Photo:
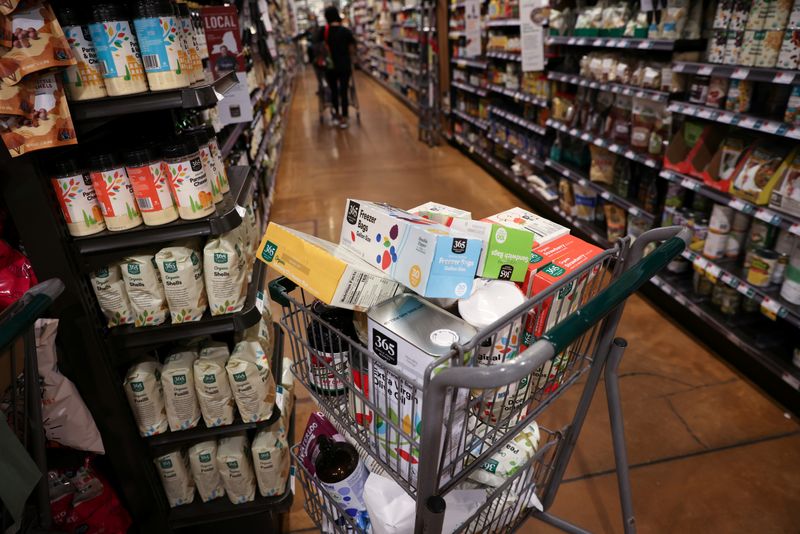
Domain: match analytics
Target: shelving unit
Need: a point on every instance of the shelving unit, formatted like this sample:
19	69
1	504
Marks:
619	149
627	90
741	120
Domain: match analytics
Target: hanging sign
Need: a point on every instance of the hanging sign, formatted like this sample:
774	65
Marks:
532	14
472	27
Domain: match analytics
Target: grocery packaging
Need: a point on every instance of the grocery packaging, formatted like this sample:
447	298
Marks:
440	213
424	256
203	463
146	397
178	484
330	272
543	229
180	397
271	460
182	275
144	288
236	468
225	272
504	463
758	172
77	199
505	250
109	288
786	194
342	473
251	381
211	383
316	426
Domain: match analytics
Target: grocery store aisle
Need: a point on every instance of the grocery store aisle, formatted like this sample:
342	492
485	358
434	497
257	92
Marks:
708	451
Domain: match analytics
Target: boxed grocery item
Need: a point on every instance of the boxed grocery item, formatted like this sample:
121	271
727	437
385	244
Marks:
408	334
506	251
786	194
720	169
440	213
758	172
544	230
685	145
329	272
422	255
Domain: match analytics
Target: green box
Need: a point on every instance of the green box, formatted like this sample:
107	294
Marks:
506	251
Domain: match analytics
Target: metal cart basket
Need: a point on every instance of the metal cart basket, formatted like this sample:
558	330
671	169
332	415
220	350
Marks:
479	397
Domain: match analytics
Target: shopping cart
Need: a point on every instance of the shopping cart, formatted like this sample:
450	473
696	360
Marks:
456	437
324	98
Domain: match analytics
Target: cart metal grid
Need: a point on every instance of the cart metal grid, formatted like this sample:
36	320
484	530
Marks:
481	395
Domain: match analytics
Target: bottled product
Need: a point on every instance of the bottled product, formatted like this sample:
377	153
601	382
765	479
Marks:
200	135
148	176
190	40
342	473
190	185
117	50
216	157
762	263
157	30
77	199
85	79
790	290
329	347
114	193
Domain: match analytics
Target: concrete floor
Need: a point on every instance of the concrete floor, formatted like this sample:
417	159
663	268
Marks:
709	452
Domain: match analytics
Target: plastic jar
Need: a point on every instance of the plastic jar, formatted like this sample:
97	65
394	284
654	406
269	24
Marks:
149	177
83	80
114	193
790	289
190	41
117	50
191	188
219	163
77	199
200	136
157	30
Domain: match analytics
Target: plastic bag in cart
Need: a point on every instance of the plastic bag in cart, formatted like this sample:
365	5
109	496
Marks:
16	275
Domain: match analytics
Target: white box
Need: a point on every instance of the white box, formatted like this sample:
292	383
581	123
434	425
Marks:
545	230
440	213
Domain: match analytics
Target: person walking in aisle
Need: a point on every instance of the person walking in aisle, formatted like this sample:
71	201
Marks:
338	42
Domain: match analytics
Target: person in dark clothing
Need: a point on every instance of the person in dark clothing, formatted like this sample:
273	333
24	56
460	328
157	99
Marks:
340	42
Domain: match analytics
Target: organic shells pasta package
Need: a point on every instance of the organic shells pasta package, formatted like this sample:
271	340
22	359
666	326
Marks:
180	397
178	484
262	333
36	43
143	389
182	275
203	462
225	273
211	383
109	288
251	381
236	469
271	460
143	284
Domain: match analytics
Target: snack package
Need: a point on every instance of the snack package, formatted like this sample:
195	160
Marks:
213	388
236	469
15	99
178	483
717	89
144	288
203	462
615	221
270	450
602	169
585	202
182	274
143	389
224	268
739	95
180	397
786	195
504	463
757	173
251	381
789	55
109	288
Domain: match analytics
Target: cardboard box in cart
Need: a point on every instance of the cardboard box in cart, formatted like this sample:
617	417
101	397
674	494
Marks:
424	256
506	250
440	213
543	229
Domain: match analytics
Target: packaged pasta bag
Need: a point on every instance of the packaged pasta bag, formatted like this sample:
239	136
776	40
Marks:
203	462
180	397
182	275
251	381
34	41
8	6
211	382
271	460
109	288
47	125
145	291
224	268
236	469
261	332
178	484
143	389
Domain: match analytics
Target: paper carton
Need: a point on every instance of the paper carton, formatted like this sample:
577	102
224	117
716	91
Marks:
440	213
422	255
329	272
506	250
786	195
544	230
758	172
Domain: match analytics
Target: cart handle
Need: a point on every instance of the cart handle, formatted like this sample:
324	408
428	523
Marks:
18	317
279	290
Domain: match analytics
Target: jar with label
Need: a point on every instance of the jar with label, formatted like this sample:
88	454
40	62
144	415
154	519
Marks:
149	178
328	348
84	80
114	193
761	235
216	154
702	285
157	30
734	244
762	263
190	41
342	473
77	199
191	188
117	50
200	136
721	219
780	268
790	289
729	301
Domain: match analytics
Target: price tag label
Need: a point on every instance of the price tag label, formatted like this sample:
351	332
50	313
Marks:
783	77
606	195
726	278
650	163
471	149
644	45
703	113
713	272
688	183
738	204
767	216
749	122
700	263
744	289
795	229
598	42
677	67
634	211
461	64
614	148
687	254
573	132
771	308
680	299
291	478
630	154
586	136
705	70
794	133
571	41
260	301
740	74
594	85
612	43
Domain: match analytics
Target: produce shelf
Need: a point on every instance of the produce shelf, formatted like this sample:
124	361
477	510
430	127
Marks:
96	250
737	72
616	148
627	90
480	91
516	119
129	337
195	96
628	43
519	96
482	124
740	120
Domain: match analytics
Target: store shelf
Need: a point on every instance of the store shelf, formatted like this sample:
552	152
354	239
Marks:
409	40
775	218
740	120
627	90
196	96
456	6
129	337
482	124
400	96
616	148
228	216
507	56
480	91
475	63
516	119
519	96
627	43
737	72
579	178
500	23
456	34
531	160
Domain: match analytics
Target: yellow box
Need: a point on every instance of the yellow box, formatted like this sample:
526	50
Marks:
330	272
754	178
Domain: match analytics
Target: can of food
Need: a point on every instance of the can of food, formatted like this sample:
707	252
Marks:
780	268
790	289
715	245
741	222
721	220
699	233
761	235
762	264
733	247
729	301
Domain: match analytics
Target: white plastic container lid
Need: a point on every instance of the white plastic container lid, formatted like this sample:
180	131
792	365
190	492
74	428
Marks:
490	300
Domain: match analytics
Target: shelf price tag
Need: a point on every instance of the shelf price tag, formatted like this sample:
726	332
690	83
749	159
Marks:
771	308
649	162
703	113
688	183
700	264
795	229
738	204
630	154
767	216
740	74
605	195
783	77
292	471
705	70
260	301
713	272
748	122
744	289
677	67
614	147
634	211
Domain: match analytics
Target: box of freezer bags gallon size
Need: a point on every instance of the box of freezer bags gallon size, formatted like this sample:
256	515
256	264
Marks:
422	255
329	272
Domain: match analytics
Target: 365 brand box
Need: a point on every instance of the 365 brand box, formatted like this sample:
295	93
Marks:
424	256
543	229
330	272
440	213
506	250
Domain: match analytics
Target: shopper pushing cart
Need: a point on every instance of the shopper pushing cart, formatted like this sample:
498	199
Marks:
335	47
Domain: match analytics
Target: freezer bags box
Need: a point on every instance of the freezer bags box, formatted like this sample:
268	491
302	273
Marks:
440	213
506	250
329	272
420	254
543	229
407	333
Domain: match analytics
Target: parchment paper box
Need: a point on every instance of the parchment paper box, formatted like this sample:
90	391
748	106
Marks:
440	213
329	272
543	229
